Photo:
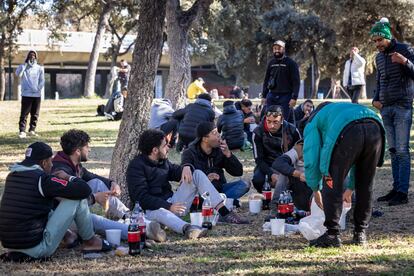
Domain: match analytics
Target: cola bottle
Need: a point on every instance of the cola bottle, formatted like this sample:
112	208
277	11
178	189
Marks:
267	194
134	237
282	206
207	212
195	204
290	205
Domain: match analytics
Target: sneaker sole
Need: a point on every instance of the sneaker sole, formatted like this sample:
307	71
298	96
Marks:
155	232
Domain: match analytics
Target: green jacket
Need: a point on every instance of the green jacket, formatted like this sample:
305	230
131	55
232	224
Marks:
320	136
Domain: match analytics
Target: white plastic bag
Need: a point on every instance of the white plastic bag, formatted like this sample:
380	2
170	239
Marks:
311	227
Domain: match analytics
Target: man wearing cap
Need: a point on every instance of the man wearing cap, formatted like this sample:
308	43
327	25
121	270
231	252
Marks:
29	227
211	155
273	137
196	88
394	99
32	80
354	74
282	80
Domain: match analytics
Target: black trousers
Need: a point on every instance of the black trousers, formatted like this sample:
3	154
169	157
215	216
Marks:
29	105
354	92
359	144
170	127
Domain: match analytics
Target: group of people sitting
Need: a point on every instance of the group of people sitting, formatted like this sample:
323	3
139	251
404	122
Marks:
46	195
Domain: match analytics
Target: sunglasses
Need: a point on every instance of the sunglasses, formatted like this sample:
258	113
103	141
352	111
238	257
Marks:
274	113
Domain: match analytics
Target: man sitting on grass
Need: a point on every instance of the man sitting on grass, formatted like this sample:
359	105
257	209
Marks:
29	227
148	178
75	145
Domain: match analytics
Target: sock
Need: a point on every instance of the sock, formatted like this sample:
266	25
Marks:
223	211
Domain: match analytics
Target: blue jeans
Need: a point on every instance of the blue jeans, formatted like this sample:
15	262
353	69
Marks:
397	123
68	211
236	189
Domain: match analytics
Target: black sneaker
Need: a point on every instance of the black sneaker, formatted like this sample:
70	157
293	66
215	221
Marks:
398	199
326	241
360	238
388	196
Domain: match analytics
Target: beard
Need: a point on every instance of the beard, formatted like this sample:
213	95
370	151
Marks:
83	158
32	62
278	55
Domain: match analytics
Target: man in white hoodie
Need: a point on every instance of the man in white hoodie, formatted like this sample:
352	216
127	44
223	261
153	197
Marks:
354	74
32	80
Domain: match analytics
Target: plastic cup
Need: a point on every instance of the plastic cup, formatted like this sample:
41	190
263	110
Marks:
196	219
278	227
229	203
255	206
113	236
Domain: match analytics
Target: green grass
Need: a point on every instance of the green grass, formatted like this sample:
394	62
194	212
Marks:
228	249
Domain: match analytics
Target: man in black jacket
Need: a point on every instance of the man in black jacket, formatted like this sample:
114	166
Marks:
190	116
230	125
291	164
273	137
148	178
300	112
282	80
211	155
394	99
75	145
249	119
29	226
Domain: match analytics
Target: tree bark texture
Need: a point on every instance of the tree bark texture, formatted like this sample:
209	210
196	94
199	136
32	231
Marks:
94	57
145	62
178	25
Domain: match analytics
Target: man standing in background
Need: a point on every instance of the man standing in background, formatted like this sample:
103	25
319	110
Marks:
32	80
354	74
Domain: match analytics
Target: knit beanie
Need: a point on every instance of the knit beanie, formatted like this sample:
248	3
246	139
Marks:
382	28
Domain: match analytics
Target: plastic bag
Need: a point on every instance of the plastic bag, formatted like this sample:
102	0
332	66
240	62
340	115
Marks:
311	227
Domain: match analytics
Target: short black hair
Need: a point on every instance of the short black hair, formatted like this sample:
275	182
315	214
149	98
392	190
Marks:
74	139
308	101
246	102
204	96
226	103
149	139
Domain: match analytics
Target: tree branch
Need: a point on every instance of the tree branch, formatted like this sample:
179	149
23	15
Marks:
127	50
187	18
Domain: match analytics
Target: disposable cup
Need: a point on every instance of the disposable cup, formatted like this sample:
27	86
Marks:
255	206
196	219
113	236
229	203
278	227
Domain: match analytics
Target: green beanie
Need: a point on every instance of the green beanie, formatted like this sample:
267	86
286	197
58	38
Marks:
382	28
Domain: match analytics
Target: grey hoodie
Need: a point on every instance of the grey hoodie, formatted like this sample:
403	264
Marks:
161	112
32	77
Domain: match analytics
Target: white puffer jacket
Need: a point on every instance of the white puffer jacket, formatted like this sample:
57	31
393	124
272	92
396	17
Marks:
357	70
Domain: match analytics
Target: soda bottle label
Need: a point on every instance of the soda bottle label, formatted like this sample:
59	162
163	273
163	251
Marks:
206	212
142	229
134	236
267	195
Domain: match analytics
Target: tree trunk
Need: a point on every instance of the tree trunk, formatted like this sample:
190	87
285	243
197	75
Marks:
2	71
94	57
317	75
112	74
141	88
178	25
180	65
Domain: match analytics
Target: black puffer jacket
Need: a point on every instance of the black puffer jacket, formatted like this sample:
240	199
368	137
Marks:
230	124
395	82
192	115
149	182
267	147
215	162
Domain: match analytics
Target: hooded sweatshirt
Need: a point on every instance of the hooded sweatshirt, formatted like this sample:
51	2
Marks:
161	112
32	77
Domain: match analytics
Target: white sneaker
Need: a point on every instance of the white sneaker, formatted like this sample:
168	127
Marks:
22	134
32	133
